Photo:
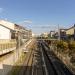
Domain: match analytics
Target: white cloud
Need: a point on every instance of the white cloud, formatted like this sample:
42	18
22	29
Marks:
25	22
1	10
28	21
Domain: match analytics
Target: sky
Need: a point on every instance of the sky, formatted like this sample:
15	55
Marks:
39	15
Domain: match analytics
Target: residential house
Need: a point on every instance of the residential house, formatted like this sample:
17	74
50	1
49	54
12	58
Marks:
56	35
70	33
52	34
62	34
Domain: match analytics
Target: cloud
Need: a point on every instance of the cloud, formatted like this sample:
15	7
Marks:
28	21
25	22
1	10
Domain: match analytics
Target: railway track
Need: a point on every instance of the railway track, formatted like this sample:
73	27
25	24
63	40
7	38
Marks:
50	70
28	70
53	64
38	68
42	61
27	66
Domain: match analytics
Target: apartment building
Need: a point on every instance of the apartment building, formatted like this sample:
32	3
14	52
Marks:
10	30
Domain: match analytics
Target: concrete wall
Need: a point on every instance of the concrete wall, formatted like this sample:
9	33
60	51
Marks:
4	33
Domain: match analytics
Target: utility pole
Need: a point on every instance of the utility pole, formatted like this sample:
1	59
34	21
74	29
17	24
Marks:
19	45
58	32
74	31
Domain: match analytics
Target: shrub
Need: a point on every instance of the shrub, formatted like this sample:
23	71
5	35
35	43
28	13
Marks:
62	45
72	60
71	48
71	45
59	44
65	45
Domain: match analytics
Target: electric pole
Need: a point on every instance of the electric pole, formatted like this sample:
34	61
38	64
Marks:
58	32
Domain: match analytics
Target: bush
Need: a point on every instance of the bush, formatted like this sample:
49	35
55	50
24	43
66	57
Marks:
71	48
72	60
65	45
59	44
62	45
71	45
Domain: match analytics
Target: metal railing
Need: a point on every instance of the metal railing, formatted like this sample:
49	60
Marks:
6	44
